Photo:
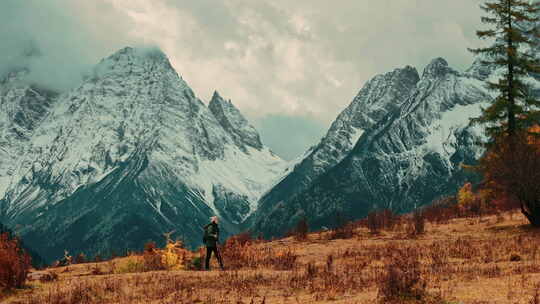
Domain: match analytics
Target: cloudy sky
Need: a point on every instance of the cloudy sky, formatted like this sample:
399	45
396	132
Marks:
290	66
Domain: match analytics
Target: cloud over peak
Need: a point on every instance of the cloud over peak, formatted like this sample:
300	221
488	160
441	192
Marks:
277	59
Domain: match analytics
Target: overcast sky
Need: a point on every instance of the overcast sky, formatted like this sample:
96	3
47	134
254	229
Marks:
290	65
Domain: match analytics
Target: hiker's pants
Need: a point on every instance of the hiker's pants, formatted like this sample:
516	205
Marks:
209	251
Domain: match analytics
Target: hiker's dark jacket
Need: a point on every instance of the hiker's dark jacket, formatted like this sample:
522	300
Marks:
212	236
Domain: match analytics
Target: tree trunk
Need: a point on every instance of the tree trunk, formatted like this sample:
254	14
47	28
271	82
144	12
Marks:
511	98
534	218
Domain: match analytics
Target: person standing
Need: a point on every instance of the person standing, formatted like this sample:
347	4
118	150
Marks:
210	239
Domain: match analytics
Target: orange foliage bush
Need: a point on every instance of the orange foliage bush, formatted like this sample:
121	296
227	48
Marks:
512	169
14	263
152	257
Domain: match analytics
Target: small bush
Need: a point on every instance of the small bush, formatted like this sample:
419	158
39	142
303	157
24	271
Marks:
441	210
282	260
243	238
402	278
196	263
417	225
382	219
300	232
373	223
344	232
342	228
174	256
80	258
14	263
152	258
130	264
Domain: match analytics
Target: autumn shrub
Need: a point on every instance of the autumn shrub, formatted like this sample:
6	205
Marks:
512	167
388	219
14	263
473	204
196	263
243	238
237	254
402	278
281	259
441	210
80	258
300	231
174	256
152	258
419	222
381	219
373	223
416	225
130	264
342	228
343	232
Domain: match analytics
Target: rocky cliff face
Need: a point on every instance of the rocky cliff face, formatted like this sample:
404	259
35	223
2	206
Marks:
230	118
406	158
130	154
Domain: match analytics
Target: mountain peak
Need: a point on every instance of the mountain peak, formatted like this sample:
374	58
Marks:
152	52
234	122
437	66
216	96
132	60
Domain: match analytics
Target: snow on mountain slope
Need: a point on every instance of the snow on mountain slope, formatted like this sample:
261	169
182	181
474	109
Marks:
22	109
133	152
249	173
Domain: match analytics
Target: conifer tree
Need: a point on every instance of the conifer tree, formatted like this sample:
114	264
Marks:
514	26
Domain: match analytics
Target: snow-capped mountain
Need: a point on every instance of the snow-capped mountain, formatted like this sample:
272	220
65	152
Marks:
381	95
130	154
402	157
409	156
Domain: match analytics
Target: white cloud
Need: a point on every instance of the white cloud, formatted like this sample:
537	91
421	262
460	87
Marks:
303	58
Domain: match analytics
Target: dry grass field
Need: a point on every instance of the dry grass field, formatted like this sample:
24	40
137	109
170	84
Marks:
489	259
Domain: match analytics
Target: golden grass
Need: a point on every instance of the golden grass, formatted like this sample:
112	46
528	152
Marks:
493	259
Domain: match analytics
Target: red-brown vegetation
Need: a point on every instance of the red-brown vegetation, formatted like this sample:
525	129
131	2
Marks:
14	263
487	255
512	169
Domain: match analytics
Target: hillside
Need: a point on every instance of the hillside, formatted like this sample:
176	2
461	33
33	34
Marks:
489	259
